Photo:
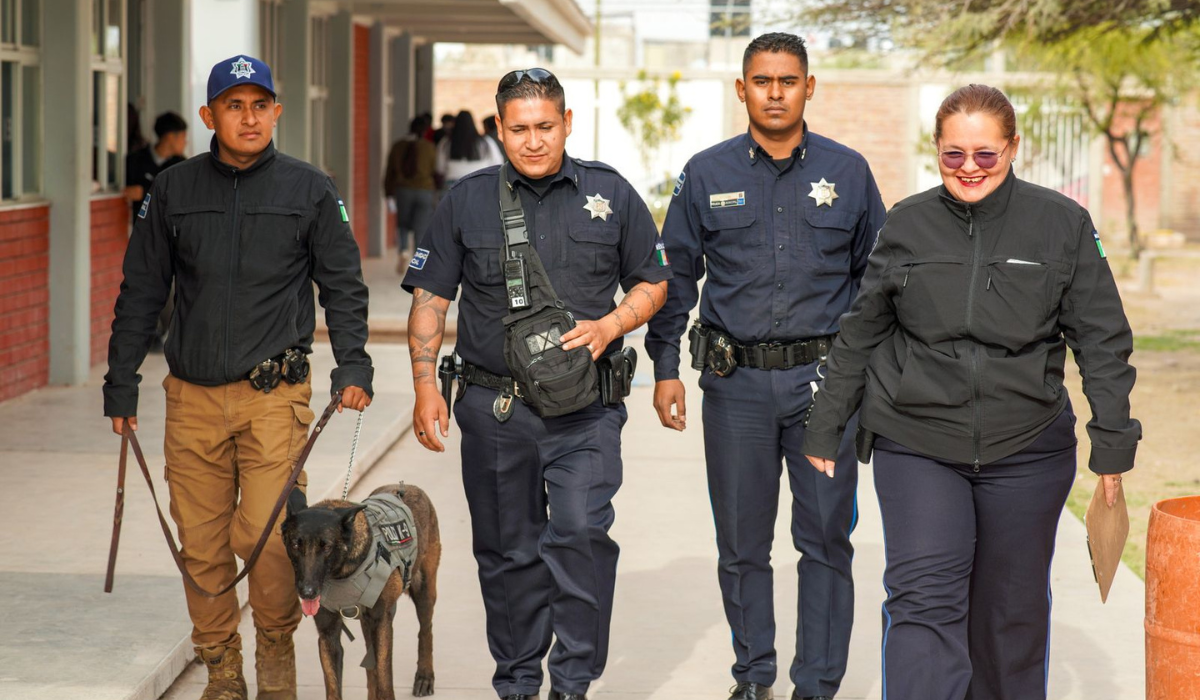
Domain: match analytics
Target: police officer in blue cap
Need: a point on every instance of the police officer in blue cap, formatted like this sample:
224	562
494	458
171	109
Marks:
539	486
243	231
781	220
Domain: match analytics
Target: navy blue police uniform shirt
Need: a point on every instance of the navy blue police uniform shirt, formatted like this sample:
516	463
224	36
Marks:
784	243
588	225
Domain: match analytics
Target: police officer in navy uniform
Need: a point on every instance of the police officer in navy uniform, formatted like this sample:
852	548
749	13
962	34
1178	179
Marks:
539	489
781	220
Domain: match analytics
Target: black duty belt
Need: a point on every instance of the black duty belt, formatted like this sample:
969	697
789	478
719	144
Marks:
784	355
474	374
291	366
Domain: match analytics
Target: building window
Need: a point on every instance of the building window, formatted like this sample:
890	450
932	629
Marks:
20	99
729	18
108	95
318	93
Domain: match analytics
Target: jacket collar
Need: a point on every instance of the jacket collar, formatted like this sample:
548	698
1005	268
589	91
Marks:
990	207
264	159
566	172
756	152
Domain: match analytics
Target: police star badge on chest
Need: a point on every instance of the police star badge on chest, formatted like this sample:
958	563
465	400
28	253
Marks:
598	206
823	193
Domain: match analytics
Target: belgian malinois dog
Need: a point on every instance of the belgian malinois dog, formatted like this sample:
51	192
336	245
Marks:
329	541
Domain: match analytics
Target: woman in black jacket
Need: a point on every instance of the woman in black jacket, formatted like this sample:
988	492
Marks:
954	351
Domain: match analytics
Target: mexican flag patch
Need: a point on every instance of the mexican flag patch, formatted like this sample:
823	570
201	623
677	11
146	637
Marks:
660	254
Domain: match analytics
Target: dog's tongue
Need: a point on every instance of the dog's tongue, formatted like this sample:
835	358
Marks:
310	606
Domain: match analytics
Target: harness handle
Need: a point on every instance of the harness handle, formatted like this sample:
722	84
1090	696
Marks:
128	437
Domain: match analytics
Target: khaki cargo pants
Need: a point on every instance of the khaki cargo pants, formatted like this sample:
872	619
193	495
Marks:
229	451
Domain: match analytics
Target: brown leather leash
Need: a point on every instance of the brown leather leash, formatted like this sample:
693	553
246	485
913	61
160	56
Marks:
129	438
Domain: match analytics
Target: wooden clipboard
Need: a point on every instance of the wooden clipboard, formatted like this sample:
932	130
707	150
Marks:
1107	532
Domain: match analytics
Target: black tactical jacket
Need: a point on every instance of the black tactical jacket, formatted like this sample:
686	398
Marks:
244	247
955	345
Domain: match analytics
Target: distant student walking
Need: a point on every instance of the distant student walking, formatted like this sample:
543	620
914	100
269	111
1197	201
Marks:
465	151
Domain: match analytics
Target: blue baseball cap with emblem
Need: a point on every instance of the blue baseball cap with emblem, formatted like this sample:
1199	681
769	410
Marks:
239	70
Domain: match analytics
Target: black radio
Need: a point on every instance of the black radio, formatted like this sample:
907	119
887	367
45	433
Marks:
516	283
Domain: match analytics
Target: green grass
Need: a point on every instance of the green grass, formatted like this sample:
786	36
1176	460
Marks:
1168	341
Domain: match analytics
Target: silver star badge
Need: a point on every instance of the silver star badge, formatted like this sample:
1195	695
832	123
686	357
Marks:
823	192
598	206
242	69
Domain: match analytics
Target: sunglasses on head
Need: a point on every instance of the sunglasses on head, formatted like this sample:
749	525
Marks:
984	159
533	75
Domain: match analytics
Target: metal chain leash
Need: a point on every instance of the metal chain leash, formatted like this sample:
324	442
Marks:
353	449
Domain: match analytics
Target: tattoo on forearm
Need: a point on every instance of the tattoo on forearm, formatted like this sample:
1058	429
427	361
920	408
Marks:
426	325
638	306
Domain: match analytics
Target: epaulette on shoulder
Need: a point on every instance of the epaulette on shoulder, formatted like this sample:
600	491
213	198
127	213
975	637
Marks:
594	164
490	170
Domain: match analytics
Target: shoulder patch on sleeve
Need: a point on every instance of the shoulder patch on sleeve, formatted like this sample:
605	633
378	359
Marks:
679	184
1095	234
146	207
419	258
342	208
660	254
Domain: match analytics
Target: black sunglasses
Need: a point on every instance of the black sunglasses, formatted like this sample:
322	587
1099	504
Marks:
533	75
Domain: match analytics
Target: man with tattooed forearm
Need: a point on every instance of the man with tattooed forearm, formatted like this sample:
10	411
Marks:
539	477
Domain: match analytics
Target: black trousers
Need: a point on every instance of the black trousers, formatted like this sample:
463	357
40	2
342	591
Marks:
967	613
753	424
540	494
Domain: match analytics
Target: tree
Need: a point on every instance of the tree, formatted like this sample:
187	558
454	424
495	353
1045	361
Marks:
1120	79
652	120
1118	61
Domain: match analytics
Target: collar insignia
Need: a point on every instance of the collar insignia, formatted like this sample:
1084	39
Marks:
242	69
822	192
598	206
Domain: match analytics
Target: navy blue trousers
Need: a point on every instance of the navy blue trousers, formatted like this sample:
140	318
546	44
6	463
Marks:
967	614
753	424
540	494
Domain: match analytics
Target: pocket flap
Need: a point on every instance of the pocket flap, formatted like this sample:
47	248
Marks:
304	414
482	238
830	218
280	211
730	219
195	209
606	234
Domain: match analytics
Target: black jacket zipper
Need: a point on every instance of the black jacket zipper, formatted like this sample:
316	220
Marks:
233	242
976	428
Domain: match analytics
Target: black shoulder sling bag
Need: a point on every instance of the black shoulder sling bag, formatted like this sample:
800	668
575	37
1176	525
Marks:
551	380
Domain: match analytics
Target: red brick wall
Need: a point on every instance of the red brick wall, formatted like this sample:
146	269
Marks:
24	300
360	200
110	236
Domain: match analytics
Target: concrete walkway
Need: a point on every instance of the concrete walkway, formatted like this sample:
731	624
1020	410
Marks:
61	637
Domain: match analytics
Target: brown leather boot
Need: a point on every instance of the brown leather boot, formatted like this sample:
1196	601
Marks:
225	679
275	664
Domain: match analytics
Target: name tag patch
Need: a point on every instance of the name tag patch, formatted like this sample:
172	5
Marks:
146	208
419	258
726	199
397	533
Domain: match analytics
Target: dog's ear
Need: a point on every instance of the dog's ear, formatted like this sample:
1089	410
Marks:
347	514
296	502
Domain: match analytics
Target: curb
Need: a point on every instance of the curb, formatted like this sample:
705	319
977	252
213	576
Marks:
176	662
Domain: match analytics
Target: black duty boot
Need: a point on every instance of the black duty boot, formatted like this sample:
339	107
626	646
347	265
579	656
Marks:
555	695
751	691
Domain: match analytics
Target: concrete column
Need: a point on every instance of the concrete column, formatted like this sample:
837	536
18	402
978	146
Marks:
296	69
170	47
67	165
423	80
340	132
401	65
378	145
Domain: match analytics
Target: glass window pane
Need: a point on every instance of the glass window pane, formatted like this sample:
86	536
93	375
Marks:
112	28
112	125
8	21
97	22
7	136
31	21
31	128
